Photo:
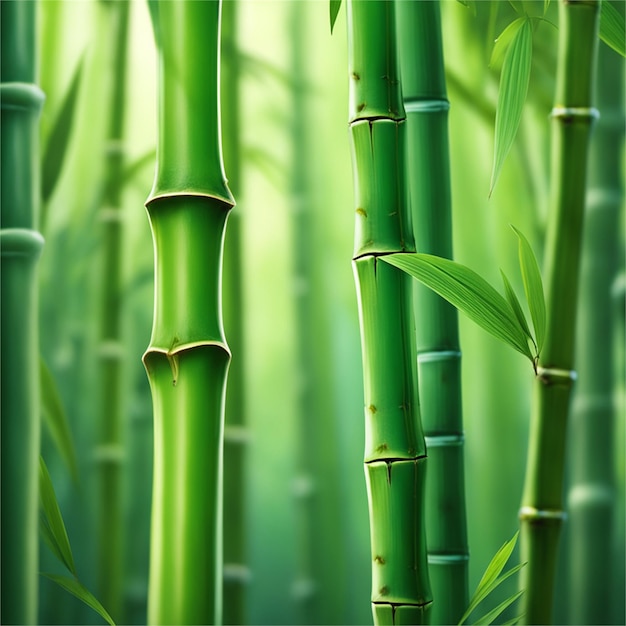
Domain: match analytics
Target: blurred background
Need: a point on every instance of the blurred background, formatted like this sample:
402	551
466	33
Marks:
307	541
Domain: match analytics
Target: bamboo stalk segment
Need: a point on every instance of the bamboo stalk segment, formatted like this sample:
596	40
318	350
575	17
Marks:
542	514
394	445
437	337
187	359
20	247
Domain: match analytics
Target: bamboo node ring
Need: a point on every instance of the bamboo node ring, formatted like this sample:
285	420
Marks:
576	112
532	513
551	375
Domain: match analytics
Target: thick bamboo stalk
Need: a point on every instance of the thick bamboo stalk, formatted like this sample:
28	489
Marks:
438	351
591	496
20	247
542	513
187	360
109	449
395	452
236	573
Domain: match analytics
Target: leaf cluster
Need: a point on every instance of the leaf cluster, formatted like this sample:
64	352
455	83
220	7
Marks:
471	294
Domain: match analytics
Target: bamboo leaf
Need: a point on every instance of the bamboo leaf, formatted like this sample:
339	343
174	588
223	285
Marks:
612	27
533	286
518	5
54	528
77	589
511	95
335	5
504	40
513	621
58	141
468	292
546	6
55	419
491	575
513	300
494	613
153	8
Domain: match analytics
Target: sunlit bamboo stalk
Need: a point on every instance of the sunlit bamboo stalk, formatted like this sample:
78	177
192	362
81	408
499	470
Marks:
187	360
395	452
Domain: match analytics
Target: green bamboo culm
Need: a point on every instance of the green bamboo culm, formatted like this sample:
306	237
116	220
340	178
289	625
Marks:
187	359
438	351
541	515
395	452
591	496
236	572
109	451
20	248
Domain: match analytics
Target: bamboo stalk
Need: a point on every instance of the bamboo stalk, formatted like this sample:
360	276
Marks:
542	514
187	359
439	356
109	449
236	572
395	452
20	247
591	496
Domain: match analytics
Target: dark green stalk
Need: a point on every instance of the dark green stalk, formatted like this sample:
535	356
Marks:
109	450
20	247
592	493
236	574
542	514
438	351
187	360
395	452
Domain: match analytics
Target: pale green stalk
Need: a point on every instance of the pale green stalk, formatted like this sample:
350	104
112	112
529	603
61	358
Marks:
591	496
109	450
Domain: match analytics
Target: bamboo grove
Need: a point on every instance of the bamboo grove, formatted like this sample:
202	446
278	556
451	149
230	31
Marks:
321	431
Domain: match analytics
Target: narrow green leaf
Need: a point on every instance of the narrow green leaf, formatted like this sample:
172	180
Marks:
546	6
533	286
490	617
518	5
468	292
513	300
491	574
511	96
612	27
153	8
513	621
76	588
58	141
503	41
53	521
55	419
335	5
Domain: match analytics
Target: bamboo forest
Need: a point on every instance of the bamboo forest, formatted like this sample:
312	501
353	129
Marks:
313	312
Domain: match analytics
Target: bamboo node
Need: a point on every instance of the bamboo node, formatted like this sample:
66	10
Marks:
236	435
114	147
572	113
531	513
109	453
434	105
236	572
555	376
109	214
111	350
